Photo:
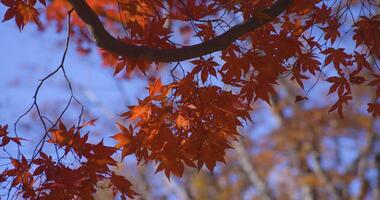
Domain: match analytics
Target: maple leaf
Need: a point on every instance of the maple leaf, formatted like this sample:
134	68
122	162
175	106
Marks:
136	13
101	156
210	148
3	130
182	122
356	79
362	63
20	172
124	137
368	25
332	30
140	111
376	82
308	62
339	83
23	14
170	160
206	31
339	104
156	87
109	58
206	67
234	67
141	64
298	76
88	123
62	136
158	91
300	98
323	15
337	57
123	186
259	89
374	108
10	13
157	34
4	135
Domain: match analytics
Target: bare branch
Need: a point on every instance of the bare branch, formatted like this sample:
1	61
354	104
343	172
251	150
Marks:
250	171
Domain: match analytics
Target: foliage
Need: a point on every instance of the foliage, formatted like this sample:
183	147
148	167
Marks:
247	50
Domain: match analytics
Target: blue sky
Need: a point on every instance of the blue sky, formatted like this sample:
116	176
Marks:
28	56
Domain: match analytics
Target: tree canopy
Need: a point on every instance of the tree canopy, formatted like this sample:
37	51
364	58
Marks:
222	58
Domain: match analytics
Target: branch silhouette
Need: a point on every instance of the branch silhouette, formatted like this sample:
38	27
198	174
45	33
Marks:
106	41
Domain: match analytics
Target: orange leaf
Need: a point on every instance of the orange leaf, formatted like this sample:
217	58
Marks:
182	122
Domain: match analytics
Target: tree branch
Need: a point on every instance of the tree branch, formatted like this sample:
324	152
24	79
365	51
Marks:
106	41
249	170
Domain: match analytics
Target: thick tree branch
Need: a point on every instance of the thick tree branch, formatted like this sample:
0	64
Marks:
106	41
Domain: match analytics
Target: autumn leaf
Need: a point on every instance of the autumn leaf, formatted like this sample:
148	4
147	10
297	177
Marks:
156	87
182	122
140	111
10	13
344	99
124	137
206	67
300	98
374	108
88	123
338	57
123	185
26	13
332	30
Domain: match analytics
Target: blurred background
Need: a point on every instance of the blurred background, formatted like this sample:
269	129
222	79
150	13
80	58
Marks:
291	151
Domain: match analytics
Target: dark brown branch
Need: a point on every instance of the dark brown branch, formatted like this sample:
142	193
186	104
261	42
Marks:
106	41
